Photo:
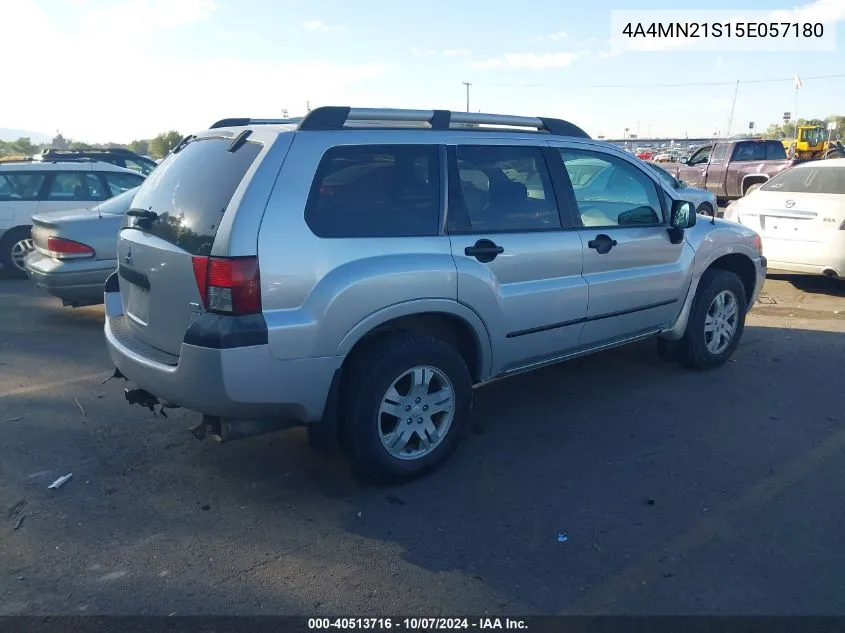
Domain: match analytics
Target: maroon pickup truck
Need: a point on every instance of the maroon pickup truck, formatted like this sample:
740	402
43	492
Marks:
731	169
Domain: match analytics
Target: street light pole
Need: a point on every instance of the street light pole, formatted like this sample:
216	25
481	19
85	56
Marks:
467	84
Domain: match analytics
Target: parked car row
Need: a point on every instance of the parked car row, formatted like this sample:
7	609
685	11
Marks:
29	188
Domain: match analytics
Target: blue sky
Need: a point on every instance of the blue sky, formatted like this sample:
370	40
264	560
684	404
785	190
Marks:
185	63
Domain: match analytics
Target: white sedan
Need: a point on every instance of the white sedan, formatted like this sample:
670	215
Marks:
800	214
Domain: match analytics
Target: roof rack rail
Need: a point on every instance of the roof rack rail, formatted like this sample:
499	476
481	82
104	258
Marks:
242	121
86	150
336	118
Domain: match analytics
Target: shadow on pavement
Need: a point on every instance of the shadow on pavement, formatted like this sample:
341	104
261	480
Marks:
616	483
814	284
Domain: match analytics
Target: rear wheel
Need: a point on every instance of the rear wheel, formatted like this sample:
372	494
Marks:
716	322
705	208
14	247
405	405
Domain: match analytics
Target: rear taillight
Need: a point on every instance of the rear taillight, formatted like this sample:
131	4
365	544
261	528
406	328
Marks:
758	242
60	248
229	285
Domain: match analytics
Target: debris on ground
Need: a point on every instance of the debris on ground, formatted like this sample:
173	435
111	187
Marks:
61	481
20	521
11	420
394	500
80	407
16	509
206	507
562	538
650	502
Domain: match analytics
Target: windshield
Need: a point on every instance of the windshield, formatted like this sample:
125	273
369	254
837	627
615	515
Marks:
814	136
119	204
808	180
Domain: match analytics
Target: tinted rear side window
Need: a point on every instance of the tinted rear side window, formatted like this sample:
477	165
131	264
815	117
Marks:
376	191
191	190
755	150
808	180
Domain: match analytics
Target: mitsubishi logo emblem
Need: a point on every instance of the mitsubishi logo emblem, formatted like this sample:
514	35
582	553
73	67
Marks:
128	258
790	204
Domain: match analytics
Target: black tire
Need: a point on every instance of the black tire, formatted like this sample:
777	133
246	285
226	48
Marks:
834	153
368	376
10	238
705	208
692	348
753	187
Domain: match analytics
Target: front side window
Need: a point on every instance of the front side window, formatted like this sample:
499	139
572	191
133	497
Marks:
376	191
20	186
621	196
701	156
501	188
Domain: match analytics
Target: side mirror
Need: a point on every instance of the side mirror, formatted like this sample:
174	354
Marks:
683	159
683	215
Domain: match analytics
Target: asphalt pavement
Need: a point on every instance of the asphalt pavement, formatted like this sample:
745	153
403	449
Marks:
614	484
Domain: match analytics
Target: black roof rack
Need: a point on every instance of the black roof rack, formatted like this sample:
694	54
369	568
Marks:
341	117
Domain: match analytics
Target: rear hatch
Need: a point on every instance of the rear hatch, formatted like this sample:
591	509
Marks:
166	240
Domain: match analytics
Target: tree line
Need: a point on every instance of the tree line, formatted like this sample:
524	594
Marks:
787	130
156	147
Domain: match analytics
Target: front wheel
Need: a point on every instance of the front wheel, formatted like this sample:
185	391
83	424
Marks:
705	208
405	406
717	320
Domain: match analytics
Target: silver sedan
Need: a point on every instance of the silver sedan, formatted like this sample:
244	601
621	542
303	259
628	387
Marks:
75	251
704	201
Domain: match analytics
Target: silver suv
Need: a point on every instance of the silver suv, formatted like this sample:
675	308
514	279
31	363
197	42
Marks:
360	271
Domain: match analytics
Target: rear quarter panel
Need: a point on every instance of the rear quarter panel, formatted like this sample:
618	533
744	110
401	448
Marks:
321	295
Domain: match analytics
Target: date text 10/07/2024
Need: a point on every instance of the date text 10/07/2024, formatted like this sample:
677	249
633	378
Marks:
724	29
418	624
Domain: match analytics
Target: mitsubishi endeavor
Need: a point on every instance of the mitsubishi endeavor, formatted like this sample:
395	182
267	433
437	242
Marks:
360	271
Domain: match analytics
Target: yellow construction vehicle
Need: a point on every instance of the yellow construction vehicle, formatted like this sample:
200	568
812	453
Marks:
811	143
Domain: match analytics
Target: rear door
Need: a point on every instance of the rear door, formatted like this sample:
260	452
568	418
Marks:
518	266
186	199
636	277
716	170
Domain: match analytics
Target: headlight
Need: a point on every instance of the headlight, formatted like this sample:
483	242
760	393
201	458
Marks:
732	211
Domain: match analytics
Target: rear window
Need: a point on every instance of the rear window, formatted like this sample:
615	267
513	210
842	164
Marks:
808	180
757	150
191	190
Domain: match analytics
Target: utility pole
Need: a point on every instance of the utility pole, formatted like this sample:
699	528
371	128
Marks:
467	84
638	129
733	105
307	106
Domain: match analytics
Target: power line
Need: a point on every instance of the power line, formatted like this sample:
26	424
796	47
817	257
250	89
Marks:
675	85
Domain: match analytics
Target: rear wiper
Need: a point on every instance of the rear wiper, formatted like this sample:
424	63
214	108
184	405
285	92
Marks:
143	214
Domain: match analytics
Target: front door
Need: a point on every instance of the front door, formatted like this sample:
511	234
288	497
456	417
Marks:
694	172
518	267
636	277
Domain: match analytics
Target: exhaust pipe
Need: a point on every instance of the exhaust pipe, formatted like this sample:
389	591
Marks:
139	396
223	431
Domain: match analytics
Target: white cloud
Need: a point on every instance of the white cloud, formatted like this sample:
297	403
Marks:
824	11
183	92
431	52
515	61
322	27
554	37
